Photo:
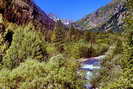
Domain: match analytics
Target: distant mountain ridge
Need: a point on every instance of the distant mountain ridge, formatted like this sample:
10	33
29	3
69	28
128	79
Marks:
107	18
56	18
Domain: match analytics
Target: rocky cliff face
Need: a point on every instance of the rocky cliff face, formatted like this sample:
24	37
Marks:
107	18
25	11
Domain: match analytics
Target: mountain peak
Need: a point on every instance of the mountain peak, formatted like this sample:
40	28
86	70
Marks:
106	18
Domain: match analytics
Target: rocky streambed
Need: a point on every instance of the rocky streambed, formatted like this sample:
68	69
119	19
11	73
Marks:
91	66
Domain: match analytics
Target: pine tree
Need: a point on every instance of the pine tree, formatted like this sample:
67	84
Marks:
127	61
26	43
58	36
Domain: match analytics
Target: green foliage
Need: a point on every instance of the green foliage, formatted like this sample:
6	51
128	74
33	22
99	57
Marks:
85	49
58	73
26	43
117	67
58	33
4	44
51	49
87	35
58	36
77	50
127	59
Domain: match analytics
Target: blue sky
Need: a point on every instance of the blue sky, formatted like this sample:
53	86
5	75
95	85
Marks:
71	9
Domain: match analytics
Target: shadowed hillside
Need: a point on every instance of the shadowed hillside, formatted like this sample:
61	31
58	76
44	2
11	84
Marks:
24	11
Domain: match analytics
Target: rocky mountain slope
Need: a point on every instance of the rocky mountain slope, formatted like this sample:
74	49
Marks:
24	11
107	18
